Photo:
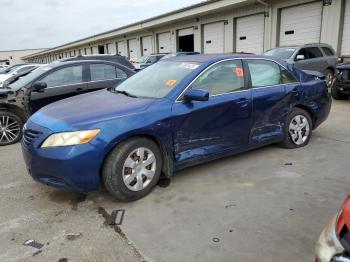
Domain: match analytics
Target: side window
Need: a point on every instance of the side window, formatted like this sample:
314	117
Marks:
102	72
121	74
264	73
222	78
328	51
64	76
106	72
152	59
287	77
314	52
303	52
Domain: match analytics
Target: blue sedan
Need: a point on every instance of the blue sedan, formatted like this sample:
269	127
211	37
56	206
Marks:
177	113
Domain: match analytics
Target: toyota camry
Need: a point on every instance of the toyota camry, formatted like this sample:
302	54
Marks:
177	113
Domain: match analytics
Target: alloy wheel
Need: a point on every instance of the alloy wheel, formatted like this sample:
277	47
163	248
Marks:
9	129
139	169
329	78
299	129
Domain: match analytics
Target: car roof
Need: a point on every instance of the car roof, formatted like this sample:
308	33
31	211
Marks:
214	57
61	63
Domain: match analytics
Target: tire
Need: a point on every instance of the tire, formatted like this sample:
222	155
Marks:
329	76
296	136
123	172
11	126
337	95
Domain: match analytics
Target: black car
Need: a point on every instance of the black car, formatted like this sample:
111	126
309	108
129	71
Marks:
111	58
341	85
51	83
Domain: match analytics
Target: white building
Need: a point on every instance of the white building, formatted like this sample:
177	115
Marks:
221	26
12	57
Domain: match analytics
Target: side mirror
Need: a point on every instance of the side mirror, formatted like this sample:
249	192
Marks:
300	57
39	86
196	95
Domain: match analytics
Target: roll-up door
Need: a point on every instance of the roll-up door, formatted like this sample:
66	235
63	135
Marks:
345	47
213	38
301	24
250	34
146	43
121	48
132	49
164	42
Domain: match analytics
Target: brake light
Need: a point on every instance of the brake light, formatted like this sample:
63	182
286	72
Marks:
344	216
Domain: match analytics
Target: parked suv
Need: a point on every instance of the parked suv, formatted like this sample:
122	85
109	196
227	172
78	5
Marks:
51	83
112	58
147	60
315	57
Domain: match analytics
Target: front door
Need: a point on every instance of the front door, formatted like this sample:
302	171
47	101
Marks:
220	124
61	83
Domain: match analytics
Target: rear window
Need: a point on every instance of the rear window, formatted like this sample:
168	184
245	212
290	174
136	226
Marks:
328	51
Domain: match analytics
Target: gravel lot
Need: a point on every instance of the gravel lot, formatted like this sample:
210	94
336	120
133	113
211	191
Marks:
266	205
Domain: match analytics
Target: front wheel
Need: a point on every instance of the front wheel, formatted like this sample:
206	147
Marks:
132	169
329	76
10	128
297	129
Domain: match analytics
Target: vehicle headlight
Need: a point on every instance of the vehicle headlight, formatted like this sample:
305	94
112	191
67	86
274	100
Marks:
70	138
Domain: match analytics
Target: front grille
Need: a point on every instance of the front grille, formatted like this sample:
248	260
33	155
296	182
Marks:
29	136
344	238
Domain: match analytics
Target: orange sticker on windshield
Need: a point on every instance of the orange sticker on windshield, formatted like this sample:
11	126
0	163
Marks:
239	72
170	83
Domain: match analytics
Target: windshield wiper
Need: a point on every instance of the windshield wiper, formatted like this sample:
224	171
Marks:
125	93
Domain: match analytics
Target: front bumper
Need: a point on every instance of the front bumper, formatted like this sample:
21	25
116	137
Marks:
342	86
73	168
328	246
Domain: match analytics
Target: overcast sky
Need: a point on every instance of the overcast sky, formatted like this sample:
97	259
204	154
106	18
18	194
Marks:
48	23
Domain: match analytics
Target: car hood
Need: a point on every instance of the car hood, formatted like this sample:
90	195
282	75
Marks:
88	109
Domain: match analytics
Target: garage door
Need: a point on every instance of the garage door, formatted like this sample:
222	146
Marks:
250	34
164	42
146	43
121	48
213	38
301	24
345	47
132	48
110	48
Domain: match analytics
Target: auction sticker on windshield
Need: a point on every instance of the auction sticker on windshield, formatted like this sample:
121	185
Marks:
188	66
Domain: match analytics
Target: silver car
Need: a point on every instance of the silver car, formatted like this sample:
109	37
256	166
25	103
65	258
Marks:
315	57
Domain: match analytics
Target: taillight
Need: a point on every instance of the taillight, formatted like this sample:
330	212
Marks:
343	216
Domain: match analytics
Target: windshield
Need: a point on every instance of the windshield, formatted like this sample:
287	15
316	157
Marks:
157	80
11	69
23	81
281	53
142	59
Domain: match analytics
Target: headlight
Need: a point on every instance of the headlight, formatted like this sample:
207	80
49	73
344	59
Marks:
70	138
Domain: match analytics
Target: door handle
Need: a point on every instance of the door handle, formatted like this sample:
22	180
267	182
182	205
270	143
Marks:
79	90
243	102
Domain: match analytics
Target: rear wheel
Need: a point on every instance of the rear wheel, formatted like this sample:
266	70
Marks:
337	95
132	169
10	128
297	129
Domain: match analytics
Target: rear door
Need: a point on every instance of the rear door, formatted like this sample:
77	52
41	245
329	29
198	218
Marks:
104	75
270	83
61	83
